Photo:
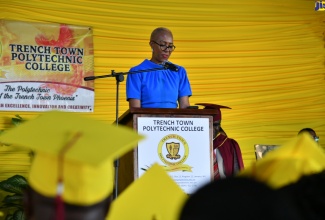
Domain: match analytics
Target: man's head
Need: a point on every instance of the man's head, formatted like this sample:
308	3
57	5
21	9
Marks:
309	131
216	117
162	45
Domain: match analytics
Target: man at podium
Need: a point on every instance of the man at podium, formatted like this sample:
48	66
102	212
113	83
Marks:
157	83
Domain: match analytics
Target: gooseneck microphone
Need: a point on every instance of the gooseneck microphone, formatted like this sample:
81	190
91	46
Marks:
87	78
120	76
170	66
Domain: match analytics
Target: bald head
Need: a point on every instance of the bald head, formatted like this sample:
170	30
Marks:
162	45
160	31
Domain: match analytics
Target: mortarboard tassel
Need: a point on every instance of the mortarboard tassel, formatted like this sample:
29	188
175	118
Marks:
60	215
59	202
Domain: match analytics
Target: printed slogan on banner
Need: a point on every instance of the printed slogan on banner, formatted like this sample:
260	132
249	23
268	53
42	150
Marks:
42	67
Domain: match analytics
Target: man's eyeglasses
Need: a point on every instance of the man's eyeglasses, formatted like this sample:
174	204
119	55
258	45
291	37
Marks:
164	47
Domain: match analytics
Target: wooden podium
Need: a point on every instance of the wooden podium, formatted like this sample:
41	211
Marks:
178	139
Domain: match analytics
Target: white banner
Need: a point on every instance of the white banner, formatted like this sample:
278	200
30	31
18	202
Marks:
42	67
180	145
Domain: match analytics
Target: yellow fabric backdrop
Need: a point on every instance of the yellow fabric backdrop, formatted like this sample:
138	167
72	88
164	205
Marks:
265	59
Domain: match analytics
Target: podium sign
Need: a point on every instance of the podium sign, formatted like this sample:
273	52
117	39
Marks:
180	144
180	140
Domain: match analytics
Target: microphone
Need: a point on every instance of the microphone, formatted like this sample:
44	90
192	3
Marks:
170	66
87	78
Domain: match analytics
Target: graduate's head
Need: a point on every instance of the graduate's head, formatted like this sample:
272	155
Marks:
311	132
86	190
37	206
238	198
72	171
308	193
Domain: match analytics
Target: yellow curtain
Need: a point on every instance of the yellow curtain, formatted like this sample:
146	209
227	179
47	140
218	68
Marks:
264	59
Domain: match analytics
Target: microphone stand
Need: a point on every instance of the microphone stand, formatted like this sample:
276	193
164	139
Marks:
119	78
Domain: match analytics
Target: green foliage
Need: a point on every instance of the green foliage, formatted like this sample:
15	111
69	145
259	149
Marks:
17	120
17	215
15	185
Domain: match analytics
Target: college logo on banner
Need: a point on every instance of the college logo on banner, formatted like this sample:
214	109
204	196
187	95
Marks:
173	151
42	67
